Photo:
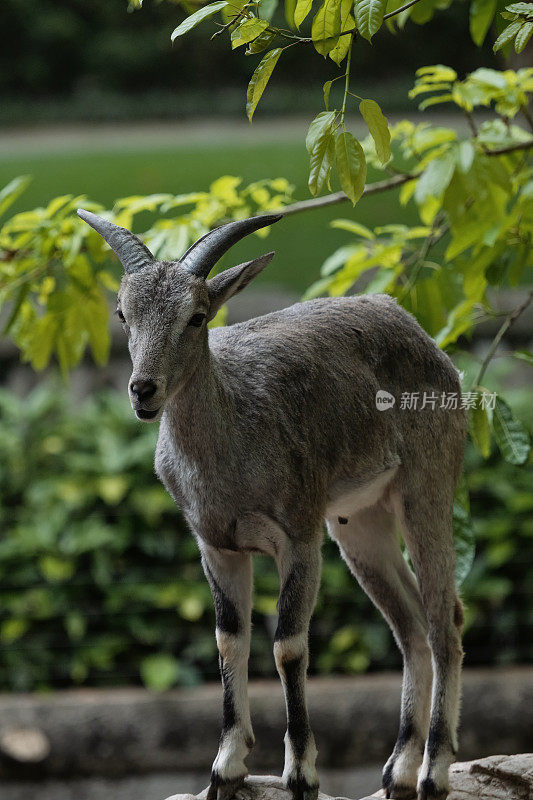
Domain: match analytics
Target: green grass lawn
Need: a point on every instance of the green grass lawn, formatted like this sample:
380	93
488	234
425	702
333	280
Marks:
302	242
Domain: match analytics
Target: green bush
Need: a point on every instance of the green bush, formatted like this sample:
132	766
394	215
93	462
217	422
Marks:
101	583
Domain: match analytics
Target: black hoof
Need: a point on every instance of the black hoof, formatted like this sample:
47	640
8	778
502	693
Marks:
428	790
300	789
223	789
396	791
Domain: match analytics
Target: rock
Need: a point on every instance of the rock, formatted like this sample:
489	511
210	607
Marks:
493	778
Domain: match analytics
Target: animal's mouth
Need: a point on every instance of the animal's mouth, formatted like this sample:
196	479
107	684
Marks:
146	415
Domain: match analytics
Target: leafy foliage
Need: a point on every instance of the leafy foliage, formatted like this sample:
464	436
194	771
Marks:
85	516
475	203
520	27
101	583
335	27
54	268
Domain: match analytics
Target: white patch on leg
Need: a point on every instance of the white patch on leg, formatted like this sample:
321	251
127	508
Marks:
436	771
407	764
229	763
305	768
235	743
288	649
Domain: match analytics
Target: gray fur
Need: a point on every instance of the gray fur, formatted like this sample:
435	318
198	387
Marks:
270	427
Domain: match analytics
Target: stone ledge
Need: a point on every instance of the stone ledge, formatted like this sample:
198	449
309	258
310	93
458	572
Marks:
130	731
493	778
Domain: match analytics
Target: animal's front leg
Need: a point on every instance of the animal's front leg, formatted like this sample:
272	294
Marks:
299	568
230	578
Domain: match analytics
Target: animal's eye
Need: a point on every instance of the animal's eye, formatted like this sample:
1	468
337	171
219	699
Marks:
120	315
196	320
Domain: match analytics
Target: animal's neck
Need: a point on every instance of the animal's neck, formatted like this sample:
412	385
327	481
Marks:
198	413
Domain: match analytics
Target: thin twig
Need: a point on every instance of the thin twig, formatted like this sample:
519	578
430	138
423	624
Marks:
355	30
509	321
340	197
527	115
382	186
399	10
471	123
510	148
418	261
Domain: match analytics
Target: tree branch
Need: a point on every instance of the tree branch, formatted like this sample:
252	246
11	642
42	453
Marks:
509	321
399	10
355	31
383	186
340	197
510	148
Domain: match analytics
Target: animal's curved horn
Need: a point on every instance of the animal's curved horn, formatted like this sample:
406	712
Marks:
202	256
133	254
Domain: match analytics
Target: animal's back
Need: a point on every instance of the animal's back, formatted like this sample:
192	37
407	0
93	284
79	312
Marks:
318	366
328	336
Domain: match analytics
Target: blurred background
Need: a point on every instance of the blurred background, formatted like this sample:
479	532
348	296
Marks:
100	583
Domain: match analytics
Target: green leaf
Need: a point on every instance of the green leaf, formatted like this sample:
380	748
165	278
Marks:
481	15
267	9
247	31
322	155
326	26
259	80
194	19
351	165
347	23
159	672
353	227
17	305
263	41
321	123
480	427
436	177
506	35
340	51
303	7
525	9
433	101
378	127
510	434
327	89
232	10
523	36
369	16
290	7
465	155
436	73
524	355
12	191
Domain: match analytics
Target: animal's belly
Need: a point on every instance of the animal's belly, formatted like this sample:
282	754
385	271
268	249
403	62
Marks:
350	500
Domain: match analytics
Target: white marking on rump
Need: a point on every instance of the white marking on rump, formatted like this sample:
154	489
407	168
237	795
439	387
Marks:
359	497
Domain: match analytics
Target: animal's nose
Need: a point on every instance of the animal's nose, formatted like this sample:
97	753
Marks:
143	390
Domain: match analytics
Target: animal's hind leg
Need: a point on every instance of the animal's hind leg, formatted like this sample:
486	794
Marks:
370	546
426	521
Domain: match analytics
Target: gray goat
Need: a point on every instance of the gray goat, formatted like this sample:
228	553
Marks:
272	426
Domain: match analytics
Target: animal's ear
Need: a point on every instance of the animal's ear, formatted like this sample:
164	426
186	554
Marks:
228	283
